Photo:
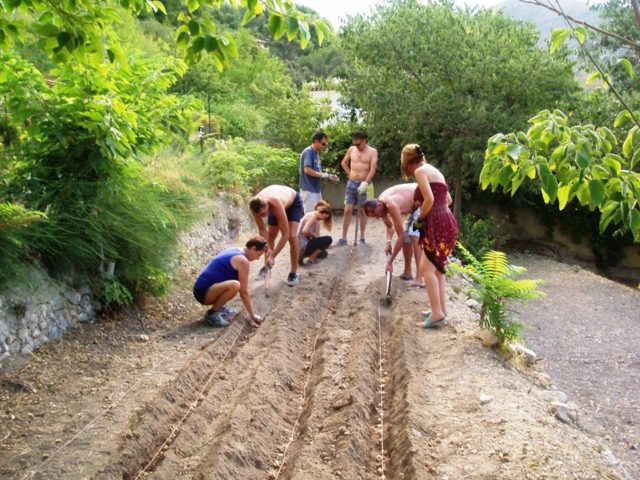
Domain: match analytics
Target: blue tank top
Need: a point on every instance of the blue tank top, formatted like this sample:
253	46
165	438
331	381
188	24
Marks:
219	269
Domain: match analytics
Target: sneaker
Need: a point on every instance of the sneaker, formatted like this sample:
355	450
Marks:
215	319
227	310
323	254
292	279
342	242
363	241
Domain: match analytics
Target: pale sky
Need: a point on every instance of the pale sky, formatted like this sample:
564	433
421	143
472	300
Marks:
337	10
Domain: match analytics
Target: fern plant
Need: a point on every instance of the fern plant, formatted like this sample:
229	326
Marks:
495	288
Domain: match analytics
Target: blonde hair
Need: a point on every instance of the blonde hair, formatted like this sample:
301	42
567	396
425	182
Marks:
411	153
325	207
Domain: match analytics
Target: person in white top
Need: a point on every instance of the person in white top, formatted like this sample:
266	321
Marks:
313	246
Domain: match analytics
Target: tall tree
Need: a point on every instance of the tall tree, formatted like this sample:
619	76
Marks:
448	78
597	166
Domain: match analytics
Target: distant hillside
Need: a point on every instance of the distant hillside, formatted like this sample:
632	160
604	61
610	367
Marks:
546	20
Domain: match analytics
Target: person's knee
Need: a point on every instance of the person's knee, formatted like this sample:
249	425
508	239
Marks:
235	286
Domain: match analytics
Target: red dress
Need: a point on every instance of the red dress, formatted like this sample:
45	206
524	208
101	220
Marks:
438	238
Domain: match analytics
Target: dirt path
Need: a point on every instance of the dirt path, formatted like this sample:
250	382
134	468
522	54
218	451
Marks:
587	328
334	384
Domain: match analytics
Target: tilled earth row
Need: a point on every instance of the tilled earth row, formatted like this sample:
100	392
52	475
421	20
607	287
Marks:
334	384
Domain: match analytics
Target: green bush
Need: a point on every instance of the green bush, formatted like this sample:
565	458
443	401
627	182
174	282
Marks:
78	160
15	222
477	234
247	167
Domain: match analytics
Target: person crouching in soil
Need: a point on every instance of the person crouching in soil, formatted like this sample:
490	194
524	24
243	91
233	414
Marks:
438	229
226	276
312	245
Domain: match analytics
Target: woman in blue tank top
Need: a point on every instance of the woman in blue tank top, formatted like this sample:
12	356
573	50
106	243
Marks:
226	276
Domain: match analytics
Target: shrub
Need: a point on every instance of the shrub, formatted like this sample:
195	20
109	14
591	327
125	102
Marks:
247	167
477	234
495	289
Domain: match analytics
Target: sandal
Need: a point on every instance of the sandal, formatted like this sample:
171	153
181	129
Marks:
406	277
437	324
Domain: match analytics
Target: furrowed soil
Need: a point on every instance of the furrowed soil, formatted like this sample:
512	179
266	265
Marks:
335	383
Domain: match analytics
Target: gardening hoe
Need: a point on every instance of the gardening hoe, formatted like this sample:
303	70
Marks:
357	215
267	279
387	295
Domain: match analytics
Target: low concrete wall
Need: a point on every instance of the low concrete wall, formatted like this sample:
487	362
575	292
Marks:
525	226
334	193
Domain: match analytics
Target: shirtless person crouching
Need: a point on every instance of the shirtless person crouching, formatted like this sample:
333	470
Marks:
359	163
390	206
283	208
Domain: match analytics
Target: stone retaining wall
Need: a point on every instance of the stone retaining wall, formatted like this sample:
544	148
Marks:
39	310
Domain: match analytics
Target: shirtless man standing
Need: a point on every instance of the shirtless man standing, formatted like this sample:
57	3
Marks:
283	208
390	206
359	163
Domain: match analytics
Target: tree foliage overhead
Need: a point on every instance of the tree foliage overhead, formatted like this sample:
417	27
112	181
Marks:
85	92
80	27
448	79
595	165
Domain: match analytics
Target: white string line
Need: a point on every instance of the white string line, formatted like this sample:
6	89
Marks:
381	393
109	407
191	407
306	385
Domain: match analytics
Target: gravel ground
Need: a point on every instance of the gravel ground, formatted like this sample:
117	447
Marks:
587	329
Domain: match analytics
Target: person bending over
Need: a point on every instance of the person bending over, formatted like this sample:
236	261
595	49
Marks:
224	277
283	208
390	206
312	245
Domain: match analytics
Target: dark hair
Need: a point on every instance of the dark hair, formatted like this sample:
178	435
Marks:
370	206
258	242
318	136
359	135
256	204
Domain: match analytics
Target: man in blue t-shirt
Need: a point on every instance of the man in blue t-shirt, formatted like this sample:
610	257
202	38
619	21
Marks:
311	171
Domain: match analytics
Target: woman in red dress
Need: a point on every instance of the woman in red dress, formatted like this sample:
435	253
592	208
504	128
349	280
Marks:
437	225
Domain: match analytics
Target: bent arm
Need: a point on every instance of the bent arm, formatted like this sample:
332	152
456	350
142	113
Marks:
312	173
346	161
372	166
423	183
309	225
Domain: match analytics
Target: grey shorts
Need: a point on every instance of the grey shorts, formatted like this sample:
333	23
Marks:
409	231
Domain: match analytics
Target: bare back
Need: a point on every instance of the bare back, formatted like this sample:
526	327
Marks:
399	195
278	194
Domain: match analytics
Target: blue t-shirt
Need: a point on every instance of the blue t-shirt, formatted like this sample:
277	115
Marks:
309	158
219	269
